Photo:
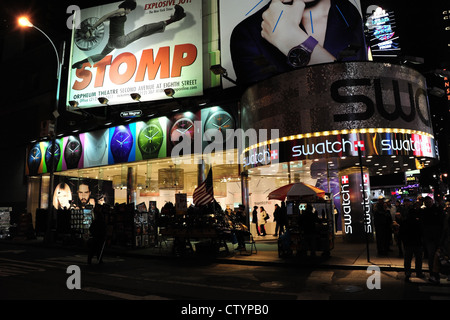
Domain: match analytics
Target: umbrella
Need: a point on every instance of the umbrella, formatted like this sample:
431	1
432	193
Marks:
296	190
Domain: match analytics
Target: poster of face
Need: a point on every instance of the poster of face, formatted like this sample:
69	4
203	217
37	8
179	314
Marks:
254	49
75	193
139	47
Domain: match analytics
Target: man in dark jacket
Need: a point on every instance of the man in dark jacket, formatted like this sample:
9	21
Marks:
433	221
410	233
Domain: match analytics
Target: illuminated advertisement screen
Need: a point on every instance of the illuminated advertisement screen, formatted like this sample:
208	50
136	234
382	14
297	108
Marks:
380	28
139	47
254	49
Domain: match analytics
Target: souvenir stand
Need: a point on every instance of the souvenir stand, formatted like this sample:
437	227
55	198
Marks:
301	197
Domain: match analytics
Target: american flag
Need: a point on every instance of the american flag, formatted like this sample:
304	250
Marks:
204	193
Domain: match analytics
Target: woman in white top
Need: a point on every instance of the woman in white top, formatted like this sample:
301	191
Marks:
262	221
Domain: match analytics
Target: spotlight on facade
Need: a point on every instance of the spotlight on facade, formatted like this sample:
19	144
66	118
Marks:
219	70
135	96
169	92
412	60
103	100
73	104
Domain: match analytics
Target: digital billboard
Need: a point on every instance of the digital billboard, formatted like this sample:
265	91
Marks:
381	30
254	48
139	47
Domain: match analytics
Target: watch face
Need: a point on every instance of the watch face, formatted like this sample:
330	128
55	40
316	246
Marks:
219	121
182	129
72	152
95	147
34	159
150	139
299	57
121	143
55	150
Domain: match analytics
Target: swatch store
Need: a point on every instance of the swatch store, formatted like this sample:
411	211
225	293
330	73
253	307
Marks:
164	154
342	113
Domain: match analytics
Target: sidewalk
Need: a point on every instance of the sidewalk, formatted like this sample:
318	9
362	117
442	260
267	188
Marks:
343	255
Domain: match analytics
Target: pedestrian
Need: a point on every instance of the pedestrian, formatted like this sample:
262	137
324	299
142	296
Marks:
277	219
262	219
442	259
382	222
308	221
255	219
410	232
283	218
433	221
395	229
97	232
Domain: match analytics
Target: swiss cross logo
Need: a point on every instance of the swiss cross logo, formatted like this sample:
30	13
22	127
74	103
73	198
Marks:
366	178
344	179
274	154
358	143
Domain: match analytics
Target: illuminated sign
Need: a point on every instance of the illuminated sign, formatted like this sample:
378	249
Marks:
119	51
447	87
380	29
355	205
345	144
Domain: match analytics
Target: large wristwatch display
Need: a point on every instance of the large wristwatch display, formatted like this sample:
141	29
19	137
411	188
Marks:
182	129
300	55
72	152
150	139
34	159
95	148
53	149
121	143
219	121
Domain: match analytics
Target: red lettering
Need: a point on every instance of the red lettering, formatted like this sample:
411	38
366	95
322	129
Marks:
162	63
183	55
83	74
130	60
101	70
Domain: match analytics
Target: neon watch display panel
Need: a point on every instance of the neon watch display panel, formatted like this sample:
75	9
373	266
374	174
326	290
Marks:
121	143
55	149
219	121
182	129
150	139
34	159
73	151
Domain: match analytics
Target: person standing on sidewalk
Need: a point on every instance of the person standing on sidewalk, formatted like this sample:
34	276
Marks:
262	219
383	223
433	221
255	219
410	233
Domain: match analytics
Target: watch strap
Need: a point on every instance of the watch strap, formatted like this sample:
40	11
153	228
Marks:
309	44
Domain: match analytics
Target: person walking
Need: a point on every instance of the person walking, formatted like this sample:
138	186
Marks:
255	219
410	233
262	219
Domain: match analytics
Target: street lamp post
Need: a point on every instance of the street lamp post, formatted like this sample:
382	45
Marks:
24	22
